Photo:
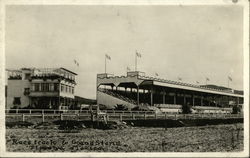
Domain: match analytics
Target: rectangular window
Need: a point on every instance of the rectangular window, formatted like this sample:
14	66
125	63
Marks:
72	90
45	87
51	87
6	90
26	91
37	85
33	87
27	76
69	89
17	101
66	87
42	86
62	87
56	85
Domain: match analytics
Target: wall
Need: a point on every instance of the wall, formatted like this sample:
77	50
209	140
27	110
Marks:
16	89
110	101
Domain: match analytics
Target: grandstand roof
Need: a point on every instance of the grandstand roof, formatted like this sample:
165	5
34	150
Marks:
139	80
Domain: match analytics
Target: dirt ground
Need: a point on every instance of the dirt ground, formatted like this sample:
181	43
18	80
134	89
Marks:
213	138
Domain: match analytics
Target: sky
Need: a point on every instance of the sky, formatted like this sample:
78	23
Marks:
191	42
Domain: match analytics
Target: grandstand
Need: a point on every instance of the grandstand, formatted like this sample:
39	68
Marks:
138	90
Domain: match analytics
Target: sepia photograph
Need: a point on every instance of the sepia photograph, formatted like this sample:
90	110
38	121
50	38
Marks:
131	78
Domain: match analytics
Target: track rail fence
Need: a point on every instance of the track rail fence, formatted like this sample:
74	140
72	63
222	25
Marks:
26	114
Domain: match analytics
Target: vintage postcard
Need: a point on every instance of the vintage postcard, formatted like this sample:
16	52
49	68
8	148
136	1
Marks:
124	78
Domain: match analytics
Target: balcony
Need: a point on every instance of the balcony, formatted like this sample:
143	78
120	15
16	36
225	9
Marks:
44	94
52	77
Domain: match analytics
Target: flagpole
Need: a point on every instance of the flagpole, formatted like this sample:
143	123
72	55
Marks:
105	64
135	62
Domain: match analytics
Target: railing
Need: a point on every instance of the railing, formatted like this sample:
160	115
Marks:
114	115
51	111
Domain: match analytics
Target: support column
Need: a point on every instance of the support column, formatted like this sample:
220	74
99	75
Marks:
238	101
184	99
175	98
151	97
143	96
201	101
227	101
59	101
215	101
50	102
164	97
193	100
138	96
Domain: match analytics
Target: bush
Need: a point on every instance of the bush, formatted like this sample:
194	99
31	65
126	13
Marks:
136	108
102	107
121	107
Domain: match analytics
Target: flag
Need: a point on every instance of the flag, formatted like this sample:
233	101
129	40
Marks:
207	79
128	69
107	56
156	74
138	54
230	78
179	78
76	62
197	82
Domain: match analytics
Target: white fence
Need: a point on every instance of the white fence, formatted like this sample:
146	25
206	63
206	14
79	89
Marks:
110	115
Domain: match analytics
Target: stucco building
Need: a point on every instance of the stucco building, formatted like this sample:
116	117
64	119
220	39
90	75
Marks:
43	88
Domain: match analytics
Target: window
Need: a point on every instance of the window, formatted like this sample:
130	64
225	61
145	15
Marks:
37	85
27	76
45	87
42	86
6	90
17	101
66	88
26	91
69	89
51	87
56	86
62	87
72	90
33	87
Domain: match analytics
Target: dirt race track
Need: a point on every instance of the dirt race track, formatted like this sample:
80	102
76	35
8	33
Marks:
213	138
